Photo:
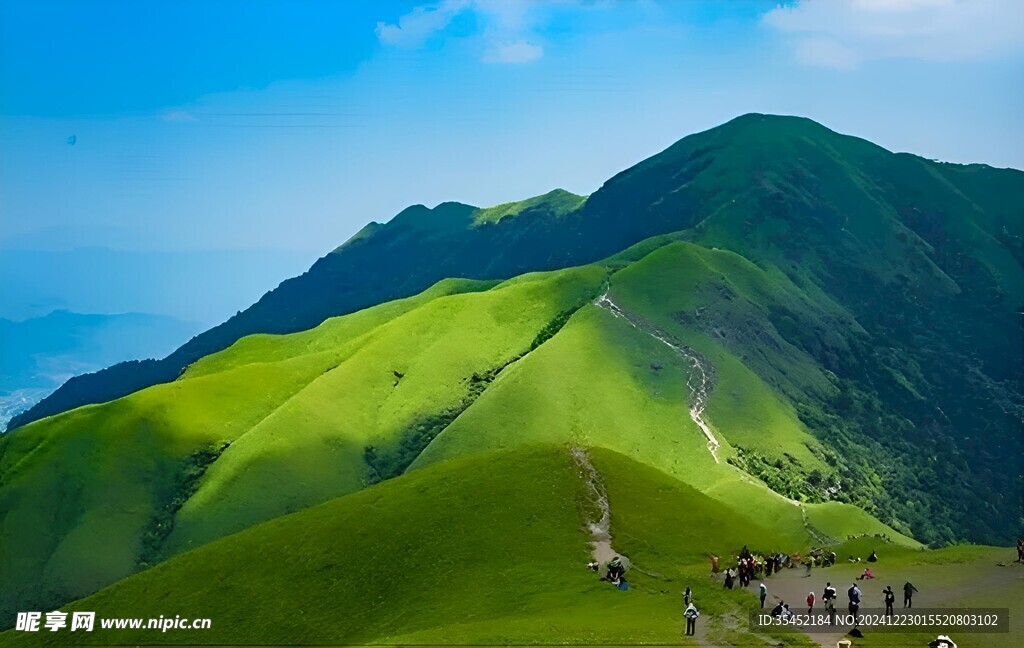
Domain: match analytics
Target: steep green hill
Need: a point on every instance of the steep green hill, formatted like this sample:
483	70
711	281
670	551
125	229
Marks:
91	495
614	382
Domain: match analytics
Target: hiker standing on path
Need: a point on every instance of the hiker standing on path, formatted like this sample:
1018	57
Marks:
890	599
691	615
687	597
908	595
854	594
1020	549
728	579
810	603
763	593
829	594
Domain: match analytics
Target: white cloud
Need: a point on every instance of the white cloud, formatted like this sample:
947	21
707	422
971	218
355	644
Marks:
844	33
506	27
415	27
518	52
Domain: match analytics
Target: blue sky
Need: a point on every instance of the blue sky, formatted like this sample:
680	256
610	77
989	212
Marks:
277	129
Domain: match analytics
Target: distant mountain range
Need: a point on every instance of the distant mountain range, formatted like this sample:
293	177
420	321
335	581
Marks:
192	285
39	354
796	329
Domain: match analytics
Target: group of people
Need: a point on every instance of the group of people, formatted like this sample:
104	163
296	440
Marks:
750	565
854	595
828	597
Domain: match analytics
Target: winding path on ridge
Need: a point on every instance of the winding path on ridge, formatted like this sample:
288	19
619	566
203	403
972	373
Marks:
700	384
698	381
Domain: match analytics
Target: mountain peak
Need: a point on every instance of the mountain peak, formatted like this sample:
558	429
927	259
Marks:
445	215
557	202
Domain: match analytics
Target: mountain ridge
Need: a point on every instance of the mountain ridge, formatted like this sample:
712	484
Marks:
323	290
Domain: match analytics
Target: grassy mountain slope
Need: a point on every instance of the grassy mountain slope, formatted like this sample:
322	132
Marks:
405	381
414	250
237	441
113	476
491	550
481	550
458	370
279	423
602	382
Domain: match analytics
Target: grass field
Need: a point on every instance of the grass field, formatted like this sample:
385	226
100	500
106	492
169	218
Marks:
489	549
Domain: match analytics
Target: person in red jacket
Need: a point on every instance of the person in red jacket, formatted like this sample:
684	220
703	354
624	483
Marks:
810	603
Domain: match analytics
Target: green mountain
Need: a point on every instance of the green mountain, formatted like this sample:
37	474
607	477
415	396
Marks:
766	186
786	328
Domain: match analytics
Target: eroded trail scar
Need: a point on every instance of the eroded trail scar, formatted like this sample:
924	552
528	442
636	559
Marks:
600	529
698	381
